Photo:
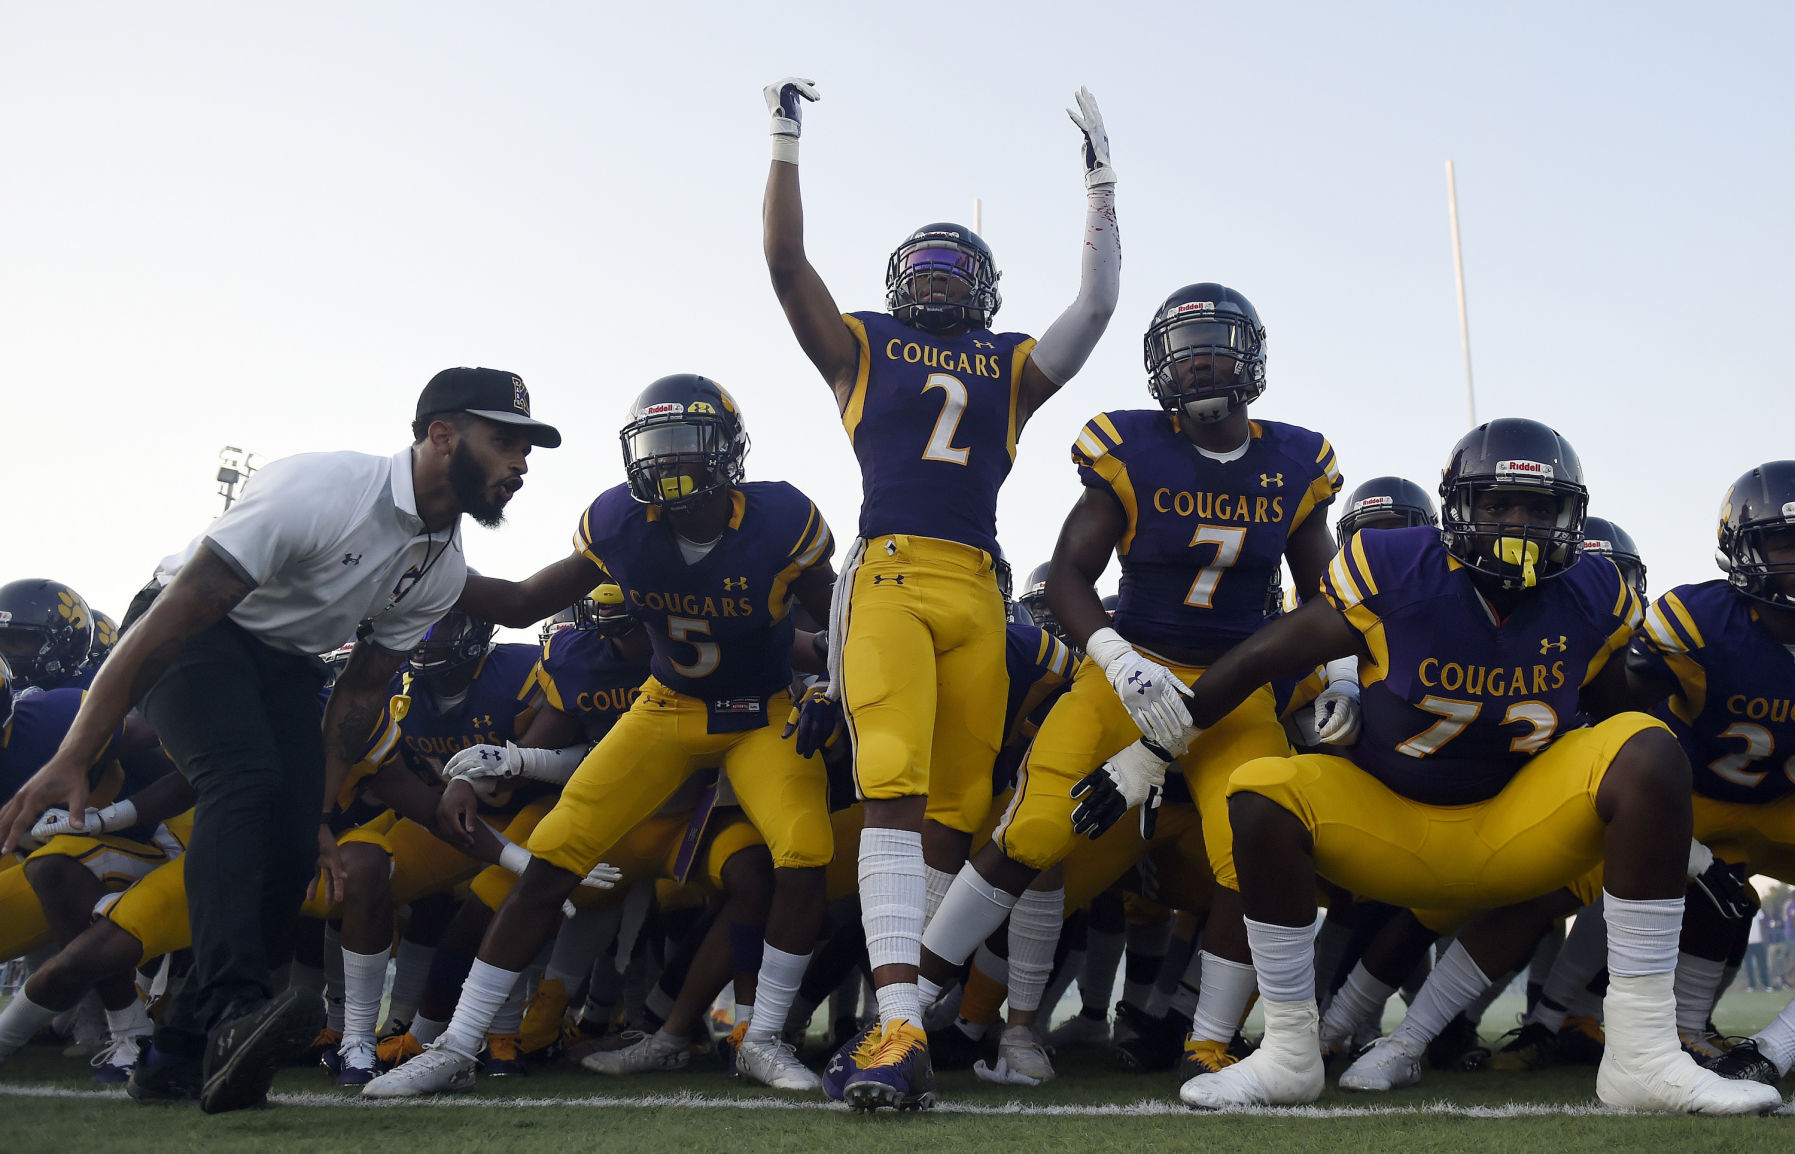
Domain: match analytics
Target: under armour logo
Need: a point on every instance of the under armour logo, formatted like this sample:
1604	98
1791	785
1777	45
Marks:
484	721
352	558
978	344
1141	682
881	578
1546	644
1267	481
730	583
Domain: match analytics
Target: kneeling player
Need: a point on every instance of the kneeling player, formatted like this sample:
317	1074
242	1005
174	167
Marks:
1476	644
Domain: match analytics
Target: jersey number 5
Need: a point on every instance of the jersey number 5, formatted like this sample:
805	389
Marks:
953	407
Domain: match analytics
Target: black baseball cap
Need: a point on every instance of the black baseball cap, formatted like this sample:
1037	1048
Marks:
493	394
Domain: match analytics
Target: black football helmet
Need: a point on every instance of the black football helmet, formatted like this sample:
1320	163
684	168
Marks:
685	438
1205	352
451	650
946	250
1033	600
46	629
1758	504
604	611
105	636
1513	453
1110	604
1386	503
1603	536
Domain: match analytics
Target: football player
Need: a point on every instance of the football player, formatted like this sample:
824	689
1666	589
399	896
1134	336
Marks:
1477	642
46	635
1033	601
1201	504
933	402
711	564
1603	536
1385	503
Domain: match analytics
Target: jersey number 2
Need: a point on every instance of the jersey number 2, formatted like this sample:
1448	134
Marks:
953	407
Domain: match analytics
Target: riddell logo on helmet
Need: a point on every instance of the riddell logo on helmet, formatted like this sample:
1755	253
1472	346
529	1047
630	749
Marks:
1194	307
1524	469
1598	546
663	409
1789	510
1374	503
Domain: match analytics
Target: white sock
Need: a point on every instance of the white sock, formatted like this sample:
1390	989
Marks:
1454	984
510	1018
1580	959
426	1030
580	940
1174	964
1097	978
934	888
780	975
1775	1041
20	1021
1034	934
970	913
1642	935
891	900
364	980
1696	983
411	972
1361	998
485	991
1228	986
1545	1013
131	1022
1284	958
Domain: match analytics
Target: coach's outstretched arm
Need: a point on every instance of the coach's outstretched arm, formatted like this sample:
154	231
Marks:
808	305
521	604
201	595
1069	340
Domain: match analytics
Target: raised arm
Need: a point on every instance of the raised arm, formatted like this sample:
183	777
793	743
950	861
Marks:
520	604
810	309
205	590
1068	342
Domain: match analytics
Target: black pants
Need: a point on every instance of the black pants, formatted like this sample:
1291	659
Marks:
242	721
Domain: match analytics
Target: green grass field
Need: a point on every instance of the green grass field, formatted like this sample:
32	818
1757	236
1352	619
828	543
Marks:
49	1105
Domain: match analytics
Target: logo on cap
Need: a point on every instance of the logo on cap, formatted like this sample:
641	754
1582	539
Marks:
1537	469
520	396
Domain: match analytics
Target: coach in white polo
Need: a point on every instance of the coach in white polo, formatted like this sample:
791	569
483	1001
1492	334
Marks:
323	547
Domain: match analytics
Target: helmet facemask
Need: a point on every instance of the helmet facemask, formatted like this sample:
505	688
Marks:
676	458
603	612
1518	554
1748	566
1203	363
448	656
936	284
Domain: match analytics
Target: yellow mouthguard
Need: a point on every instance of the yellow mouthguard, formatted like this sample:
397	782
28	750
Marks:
1522	552
676	486
607	594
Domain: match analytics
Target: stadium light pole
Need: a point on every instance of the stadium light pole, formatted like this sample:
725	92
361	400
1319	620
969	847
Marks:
977	224
1458	272
234	467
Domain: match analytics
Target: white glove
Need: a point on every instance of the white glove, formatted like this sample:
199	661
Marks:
785	101
1149	691
1134	777
119	815
1337	714
1097	168
492	763
1003	1075
516	859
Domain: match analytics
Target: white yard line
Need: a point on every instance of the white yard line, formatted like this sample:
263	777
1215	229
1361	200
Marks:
1149	1107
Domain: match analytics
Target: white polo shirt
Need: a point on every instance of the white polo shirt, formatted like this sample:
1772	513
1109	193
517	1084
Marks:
329	540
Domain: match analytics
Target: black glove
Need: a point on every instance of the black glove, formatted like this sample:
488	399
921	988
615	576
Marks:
1726	887
815	719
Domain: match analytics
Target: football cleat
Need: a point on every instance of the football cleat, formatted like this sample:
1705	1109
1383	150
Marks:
438	1070
396	1050
1131	1023
1081	1029
1203	1056
359	1060
951	1048
540	1035
1745	1062
1389	1064
849	1059
581	1038
243	1053
774	1063
1702	1045
899	1075
1458	1047
1580	1041
163	1077
645	1054
1643	1068
1021	1060
1153	1044
502	1058
323	1049
1530	1047
1285	1070
114	1063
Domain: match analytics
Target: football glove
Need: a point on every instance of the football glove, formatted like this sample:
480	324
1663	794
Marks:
495	763
815	719
1149	691
1133	777
1337	714
1097	168
1722	884
785	101
119	815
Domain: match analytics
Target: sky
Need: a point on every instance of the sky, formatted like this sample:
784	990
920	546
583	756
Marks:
267	226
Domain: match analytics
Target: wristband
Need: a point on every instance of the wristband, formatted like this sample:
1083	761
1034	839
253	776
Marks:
514	858
118	815
1105	645
785	147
